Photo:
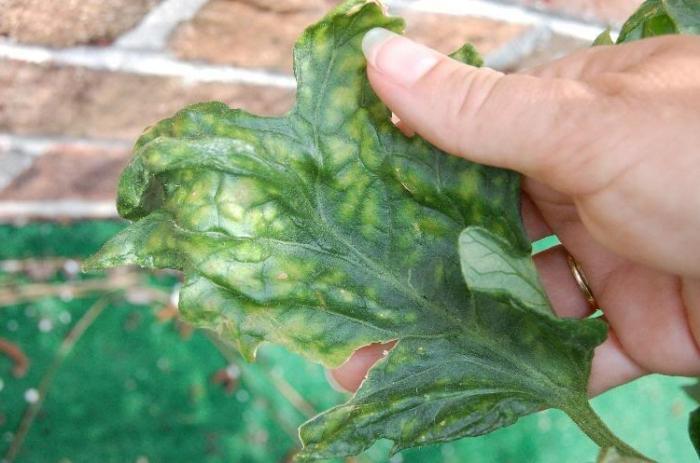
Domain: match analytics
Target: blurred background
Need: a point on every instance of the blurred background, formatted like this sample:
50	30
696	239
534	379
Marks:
99	367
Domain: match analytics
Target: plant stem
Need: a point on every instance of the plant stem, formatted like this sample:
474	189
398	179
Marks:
17	294
588	420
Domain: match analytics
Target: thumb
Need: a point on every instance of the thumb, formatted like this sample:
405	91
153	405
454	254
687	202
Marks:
516	121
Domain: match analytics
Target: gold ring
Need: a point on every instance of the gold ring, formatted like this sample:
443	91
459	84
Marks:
582	282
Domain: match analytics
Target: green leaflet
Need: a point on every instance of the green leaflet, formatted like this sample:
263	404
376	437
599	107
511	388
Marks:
490	266
661	17
604	38
694	429
693	391
327	229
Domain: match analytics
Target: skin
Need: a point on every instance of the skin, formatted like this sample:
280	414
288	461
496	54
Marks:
607	141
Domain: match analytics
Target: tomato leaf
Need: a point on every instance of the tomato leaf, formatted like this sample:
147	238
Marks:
604	38
662	17
694	429
327	229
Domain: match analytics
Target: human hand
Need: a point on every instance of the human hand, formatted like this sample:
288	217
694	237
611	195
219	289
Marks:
608	142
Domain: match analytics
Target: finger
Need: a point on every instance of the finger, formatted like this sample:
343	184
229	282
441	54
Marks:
350	374
591	62
553	268
512	121
405	129
690	293
651	320
402	126
644	306
611	367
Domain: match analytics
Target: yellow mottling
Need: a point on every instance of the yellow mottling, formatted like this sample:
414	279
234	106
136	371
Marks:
157	241
469	184
232	210
201	217
476	216
343	97
348	208
277	226
245	278
248	251
348	177
297	269
352	62
333	277
333	115
370	152
304	93
409	211
432	226
304	66
369	232
346	296
282	276
269	212
354	131
152	159
439	272
370	210
341	151
256	219
322	44
278	149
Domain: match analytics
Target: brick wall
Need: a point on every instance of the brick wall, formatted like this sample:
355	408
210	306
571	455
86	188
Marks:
80	79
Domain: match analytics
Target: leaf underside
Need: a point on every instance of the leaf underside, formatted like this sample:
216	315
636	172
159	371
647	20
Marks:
327	229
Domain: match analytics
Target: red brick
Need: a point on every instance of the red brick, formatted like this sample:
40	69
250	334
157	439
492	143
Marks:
247	34
552	49
606	11
12	163
244	33
69	172
52	100
447	33
69	22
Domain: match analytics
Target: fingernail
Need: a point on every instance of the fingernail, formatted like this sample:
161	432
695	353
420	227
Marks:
399	58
